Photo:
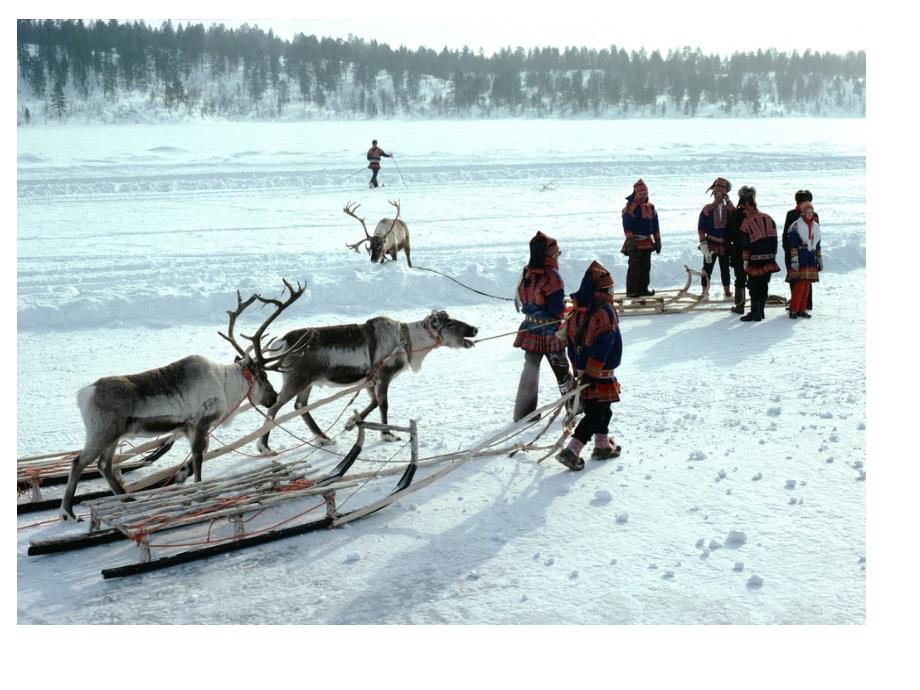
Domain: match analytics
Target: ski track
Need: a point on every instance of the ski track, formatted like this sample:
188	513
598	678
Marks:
722	430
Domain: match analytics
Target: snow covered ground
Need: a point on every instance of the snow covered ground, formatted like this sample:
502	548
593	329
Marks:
740	494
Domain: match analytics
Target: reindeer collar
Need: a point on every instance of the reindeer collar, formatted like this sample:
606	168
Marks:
246	373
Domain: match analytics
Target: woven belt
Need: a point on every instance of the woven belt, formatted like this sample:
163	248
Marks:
762	257
531	319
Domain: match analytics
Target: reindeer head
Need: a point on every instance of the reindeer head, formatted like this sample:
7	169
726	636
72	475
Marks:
255	364
453	333
263	393
378	242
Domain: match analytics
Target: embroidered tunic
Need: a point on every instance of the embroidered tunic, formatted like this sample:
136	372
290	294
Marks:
543	303
640	222
759	243
805	243
599	353
711	226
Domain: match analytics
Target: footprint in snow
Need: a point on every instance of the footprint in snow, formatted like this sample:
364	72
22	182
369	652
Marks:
602	497
755	582
735	539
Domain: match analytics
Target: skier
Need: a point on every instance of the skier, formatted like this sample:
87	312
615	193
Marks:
541	294
805	259
374	154
711	228
640	225
734	250
802	197
595	348
759	244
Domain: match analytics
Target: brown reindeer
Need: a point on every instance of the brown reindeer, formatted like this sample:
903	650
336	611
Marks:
377	350
390	236
191	395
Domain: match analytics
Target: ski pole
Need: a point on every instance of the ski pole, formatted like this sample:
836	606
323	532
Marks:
354	173
400	172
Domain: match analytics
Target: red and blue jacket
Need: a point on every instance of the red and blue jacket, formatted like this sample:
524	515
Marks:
640	222
542	300
595	349
374	153
711	226
759	243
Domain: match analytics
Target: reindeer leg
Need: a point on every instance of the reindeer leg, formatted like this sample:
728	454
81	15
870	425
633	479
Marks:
188	467
105	467
90	452
286	394
199	446
408	258
383	400
374	403
302	400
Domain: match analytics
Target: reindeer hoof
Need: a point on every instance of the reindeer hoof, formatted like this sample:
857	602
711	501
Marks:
68	516
324	441
182	475
265	450
390	437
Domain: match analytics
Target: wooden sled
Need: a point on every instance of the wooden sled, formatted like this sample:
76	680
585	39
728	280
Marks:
143	516
681	300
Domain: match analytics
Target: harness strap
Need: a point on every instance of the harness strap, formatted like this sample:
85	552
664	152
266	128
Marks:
434	336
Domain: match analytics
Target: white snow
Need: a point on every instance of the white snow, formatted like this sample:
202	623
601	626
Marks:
132	242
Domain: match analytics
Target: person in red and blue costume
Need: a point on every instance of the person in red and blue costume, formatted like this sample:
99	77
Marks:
374	154
805	261
595	348
541	297
640	225
711	228
758	245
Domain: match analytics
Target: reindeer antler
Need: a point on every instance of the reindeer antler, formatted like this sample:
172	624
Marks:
240	306
350	209
256	338
393	224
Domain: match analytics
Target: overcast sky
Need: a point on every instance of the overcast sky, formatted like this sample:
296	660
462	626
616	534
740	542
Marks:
715	27
683	25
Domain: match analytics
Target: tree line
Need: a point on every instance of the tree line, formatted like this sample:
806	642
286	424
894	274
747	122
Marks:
247	71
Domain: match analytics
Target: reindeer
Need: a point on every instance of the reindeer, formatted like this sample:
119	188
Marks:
377	351
191	395
390	235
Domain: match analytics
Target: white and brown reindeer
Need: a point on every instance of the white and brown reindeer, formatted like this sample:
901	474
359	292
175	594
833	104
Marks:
190	396
376	351
390	236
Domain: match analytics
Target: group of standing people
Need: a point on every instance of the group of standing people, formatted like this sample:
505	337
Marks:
741	238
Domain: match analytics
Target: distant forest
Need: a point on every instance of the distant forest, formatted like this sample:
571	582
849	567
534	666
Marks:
120	70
